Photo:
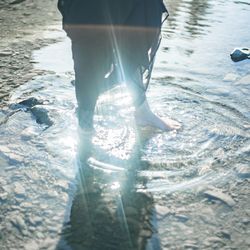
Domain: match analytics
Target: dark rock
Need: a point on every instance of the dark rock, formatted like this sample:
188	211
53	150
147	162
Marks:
31	102
42	116
17	1
239	54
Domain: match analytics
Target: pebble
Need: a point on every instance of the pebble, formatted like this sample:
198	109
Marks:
30	75
15	157
49	244
34	220
26	205
62	184
214	239
243	171
15	208
205	169
39	235
3	163
230	77
53	229
43	206
219	195
162	211
3	196
28	133
246	221
15	68
6	53
182	217
19	223
244	80
33	175
52	194
27	14
190	246
224	234
32	245
19	189
4	149
3	182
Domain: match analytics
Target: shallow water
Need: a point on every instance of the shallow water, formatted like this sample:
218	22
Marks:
117	198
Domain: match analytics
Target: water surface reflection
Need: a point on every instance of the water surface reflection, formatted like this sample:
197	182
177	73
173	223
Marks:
107	211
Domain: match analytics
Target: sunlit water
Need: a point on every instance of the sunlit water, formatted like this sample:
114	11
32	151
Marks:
194	82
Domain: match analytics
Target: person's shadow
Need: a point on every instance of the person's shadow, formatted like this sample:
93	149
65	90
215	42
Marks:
108	212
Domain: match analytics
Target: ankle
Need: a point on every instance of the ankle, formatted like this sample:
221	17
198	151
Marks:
144	107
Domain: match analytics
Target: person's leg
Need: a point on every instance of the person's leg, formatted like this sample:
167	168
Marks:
132	47
90	64
86	86
143	114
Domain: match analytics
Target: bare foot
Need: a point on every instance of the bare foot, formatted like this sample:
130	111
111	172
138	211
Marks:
145	117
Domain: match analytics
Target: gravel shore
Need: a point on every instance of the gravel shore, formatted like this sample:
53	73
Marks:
23	23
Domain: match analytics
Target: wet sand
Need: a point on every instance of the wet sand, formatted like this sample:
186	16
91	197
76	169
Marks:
23	24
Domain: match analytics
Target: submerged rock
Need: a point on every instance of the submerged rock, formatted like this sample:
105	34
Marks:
42	116
218	195
30	102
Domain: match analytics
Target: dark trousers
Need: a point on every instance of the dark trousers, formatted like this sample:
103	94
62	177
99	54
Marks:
104	55
118	36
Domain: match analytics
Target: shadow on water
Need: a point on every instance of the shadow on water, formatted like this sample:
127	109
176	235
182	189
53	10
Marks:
108	212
